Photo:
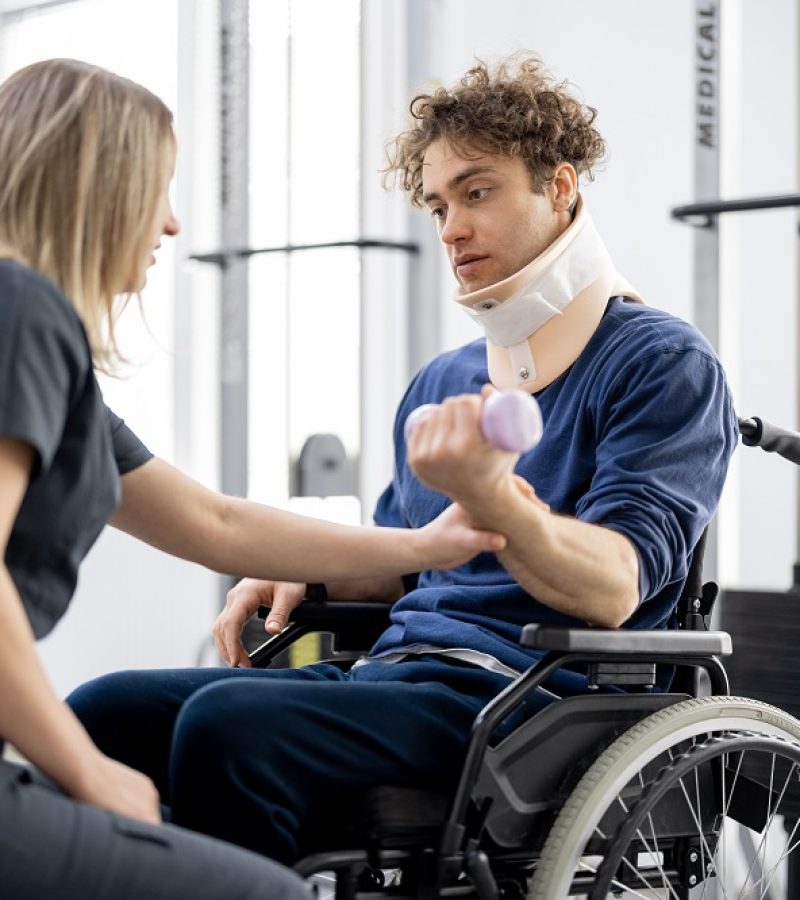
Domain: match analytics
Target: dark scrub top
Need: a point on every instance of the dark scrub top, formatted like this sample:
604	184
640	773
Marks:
49	397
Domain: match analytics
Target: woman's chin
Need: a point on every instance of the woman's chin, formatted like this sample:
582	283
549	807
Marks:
134	287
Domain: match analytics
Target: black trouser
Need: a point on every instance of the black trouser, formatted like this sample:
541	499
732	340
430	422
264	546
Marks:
53	848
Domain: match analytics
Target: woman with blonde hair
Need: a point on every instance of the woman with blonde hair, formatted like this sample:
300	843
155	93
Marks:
86	158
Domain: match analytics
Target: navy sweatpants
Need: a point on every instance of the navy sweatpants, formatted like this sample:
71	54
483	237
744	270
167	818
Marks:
266	758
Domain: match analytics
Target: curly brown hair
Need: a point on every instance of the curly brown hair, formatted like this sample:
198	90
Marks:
515	109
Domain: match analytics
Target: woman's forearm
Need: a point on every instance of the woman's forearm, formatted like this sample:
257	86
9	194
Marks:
32	718
169	510
312	549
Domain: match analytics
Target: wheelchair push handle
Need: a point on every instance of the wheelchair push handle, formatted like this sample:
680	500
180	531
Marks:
510	420
756	432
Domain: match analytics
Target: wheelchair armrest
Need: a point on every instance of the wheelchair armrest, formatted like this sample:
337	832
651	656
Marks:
355	628
338	617
627	642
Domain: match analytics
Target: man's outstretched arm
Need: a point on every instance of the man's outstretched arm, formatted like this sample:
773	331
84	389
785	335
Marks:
581	569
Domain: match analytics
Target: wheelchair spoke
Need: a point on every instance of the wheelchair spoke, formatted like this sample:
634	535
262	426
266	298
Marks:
763	864
699	826
655	814
727	805
618	885
653	852
727	798
766	876
770	816
664	880
698	807
592	870
784	855
762	847
655	858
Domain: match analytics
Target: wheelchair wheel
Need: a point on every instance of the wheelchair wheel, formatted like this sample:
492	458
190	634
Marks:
657	815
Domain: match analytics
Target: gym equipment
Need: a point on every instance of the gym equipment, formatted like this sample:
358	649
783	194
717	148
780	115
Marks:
510	420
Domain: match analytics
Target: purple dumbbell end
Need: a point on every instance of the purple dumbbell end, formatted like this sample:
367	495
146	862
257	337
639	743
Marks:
511	420
415	417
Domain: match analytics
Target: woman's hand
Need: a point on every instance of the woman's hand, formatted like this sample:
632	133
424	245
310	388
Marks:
526	489
110	785
451	539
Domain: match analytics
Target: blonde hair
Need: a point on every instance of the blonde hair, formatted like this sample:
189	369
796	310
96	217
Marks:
83	161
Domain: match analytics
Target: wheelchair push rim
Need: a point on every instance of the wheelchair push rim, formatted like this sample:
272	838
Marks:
583	855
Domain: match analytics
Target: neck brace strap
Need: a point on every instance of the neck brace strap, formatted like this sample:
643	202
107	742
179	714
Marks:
538	321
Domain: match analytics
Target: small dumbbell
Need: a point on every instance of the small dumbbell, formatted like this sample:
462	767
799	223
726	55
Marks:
510	420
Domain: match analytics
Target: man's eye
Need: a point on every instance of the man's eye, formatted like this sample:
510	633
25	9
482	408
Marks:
437	212
478	193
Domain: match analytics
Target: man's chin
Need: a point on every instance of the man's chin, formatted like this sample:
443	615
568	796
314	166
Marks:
477	284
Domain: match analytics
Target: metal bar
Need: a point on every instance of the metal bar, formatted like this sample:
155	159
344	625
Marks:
794	867
483	726
703	213
224	257
424	25
234	206
706	103
796	568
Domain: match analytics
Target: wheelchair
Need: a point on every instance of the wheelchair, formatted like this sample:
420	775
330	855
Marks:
631	793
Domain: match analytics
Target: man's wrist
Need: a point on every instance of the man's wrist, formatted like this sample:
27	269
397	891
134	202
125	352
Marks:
497	506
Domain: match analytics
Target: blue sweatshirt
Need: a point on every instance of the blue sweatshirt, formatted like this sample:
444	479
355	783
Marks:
638	434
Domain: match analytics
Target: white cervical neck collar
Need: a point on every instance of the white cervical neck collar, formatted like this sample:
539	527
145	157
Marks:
538	321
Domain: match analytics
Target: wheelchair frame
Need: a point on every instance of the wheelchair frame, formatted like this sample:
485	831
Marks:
582	820
501	835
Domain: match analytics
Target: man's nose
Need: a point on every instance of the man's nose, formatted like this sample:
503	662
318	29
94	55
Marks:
172	226
456	226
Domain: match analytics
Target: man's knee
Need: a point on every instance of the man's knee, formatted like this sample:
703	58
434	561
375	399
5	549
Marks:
225	718
101	698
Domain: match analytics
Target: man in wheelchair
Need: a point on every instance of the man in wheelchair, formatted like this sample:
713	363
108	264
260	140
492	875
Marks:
601	518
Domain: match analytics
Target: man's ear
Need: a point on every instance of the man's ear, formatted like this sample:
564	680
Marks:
564	187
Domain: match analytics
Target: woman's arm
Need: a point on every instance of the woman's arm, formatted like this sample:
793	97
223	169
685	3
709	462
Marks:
165	508
32	717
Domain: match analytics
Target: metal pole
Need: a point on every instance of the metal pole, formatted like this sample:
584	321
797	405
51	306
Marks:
424	297
234	111
707	187
796	571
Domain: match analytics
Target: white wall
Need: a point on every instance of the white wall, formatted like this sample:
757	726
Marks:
762	260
